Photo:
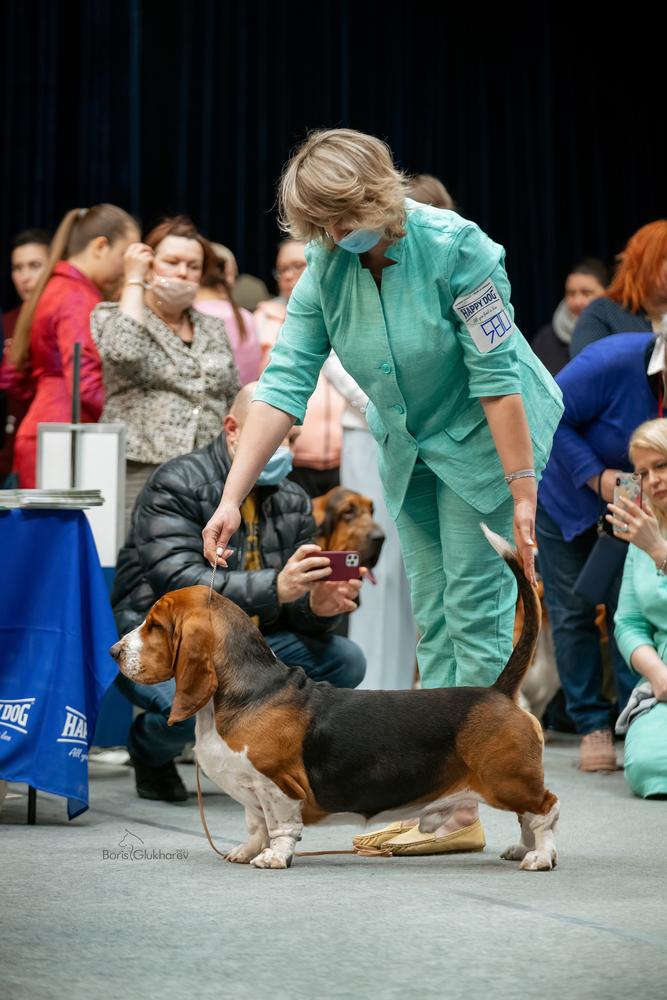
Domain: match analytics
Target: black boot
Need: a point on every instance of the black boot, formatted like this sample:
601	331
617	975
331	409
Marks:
162	783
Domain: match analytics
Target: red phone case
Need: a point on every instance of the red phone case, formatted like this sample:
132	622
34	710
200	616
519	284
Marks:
344	565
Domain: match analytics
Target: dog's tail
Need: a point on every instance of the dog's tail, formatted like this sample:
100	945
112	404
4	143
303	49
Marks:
510	679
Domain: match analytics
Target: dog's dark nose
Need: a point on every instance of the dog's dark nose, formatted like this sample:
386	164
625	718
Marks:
115	650
373	548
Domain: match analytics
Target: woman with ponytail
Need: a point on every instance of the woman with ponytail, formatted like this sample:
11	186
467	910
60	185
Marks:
84	266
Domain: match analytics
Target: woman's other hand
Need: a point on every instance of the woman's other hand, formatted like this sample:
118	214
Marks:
216	534
329	599
524	534
634	524
137	261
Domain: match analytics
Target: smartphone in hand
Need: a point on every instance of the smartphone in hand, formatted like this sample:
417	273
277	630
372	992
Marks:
629	486
344	565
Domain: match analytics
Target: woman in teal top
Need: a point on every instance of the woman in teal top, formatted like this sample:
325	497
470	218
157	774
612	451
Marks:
415	302
641	616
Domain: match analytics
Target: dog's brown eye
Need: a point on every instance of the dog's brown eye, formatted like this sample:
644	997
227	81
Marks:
347	515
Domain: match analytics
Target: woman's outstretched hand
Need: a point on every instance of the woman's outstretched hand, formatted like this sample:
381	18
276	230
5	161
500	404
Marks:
524	535
216	534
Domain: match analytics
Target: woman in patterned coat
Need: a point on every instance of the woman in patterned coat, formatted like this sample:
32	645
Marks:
169	371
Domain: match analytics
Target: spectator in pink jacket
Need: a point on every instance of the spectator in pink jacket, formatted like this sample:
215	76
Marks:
84	266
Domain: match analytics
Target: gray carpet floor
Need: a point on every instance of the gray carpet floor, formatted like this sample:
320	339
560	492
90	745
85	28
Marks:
78	924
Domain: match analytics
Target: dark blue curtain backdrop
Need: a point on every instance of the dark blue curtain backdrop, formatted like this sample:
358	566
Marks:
546	123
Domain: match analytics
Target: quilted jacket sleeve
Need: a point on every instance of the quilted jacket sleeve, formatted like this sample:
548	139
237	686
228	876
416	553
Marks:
167	533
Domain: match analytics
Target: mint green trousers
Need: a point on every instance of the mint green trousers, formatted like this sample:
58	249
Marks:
646	753
463	594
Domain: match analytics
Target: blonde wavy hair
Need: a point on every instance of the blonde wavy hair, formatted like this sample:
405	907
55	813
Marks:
651	434
341	174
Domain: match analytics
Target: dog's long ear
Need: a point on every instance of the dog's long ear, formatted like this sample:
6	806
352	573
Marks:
323	514
196	678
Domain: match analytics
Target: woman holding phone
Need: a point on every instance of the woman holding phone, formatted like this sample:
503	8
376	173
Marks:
416	303
641	618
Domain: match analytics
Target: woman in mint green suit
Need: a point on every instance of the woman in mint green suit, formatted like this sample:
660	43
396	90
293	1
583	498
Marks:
640	623
415	302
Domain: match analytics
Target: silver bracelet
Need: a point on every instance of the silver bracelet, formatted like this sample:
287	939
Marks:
520	474
662	568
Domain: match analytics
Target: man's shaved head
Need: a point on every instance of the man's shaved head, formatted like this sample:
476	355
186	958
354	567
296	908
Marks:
241	405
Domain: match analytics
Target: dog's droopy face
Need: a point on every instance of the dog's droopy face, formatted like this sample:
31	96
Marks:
175	640
345	521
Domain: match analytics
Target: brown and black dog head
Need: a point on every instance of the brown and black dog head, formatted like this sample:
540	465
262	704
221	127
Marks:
184	638
344	521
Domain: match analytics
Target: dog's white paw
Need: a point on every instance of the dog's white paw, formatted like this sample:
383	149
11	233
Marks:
271	859
515	852
539	861
243	854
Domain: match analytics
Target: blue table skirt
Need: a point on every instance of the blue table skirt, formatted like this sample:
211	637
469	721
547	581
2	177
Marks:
56	627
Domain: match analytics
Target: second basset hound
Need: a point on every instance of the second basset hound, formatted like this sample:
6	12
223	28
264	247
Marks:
293	751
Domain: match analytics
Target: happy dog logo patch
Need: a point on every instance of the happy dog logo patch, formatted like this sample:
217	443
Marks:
485	317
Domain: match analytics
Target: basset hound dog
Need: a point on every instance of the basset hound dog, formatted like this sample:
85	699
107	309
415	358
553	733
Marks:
293	751
344	521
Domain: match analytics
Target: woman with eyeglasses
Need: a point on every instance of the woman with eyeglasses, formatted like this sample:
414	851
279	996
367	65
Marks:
415	302
316	455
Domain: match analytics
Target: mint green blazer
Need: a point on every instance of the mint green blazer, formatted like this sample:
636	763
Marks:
641	614
439	335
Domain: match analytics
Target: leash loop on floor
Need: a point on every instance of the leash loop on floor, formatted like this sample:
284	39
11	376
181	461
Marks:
364	852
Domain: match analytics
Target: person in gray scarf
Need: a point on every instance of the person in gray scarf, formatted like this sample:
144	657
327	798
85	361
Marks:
585	282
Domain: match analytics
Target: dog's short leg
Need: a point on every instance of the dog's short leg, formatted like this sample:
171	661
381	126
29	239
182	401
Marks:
544	857
517	852
257	841
284	824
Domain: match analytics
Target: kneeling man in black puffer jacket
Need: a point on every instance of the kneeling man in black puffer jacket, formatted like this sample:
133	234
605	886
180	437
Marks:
274	574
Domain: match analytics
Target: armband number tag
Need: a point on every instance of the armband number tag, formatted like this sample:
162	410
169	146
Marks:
485	317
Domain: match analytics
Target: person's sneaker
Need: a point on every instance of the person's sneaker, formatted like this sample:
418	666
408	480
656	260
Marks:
114	756
596	752
160	783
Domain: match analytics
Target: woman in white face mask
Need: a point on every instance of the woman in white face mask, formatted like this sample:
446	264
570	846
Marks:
169	371
415	302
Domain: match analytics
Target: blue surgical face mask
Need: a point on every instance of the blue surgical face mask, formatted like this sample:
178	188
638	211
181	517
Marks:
277	467
360	240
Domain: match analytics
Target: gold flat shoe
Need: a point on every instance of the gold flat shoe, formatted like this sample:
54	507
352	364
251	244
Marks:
412	842
378	837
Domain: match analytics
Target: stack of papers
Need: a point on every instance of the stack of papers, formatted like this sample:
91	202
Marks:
57	499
